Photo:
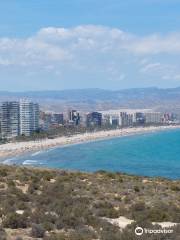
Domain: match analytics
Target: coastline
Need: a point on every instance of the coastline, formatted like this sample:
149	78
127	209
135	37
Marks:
15	149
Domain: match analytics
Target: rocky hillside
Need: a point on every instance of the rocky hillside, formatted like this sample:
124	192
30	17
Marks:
58	205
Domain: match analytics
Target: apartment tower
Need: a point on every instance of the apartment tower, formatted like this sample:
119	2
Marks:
29	117
9	119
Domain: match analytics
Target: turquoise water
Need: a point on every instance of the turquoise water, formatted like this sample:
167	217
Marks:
150	154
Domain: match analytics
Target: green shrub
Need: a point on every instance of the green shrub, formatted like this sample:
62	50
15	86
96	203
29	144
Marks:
139	206
3	234
14	221
175	187
37	231
11	183
3	172
57	236
136	189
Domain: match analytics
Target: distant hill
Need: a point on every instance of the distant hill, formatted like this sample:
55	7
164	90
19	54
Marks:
157	98
98	94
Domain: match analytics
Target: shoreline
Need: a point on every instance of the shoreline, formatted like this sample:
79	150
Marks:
16	149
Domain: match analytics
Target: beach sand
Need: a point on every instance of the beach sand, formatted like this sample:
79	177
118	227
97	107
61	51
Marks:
19	148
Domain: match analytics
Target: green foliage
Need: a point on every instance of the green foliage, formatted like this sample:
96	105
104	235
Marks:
3	235
37	231
136	189
175	187
3	172
75	205
14	221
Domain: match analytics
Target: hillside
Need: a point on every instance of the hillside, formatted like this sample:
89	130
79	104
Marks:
91	99
58	205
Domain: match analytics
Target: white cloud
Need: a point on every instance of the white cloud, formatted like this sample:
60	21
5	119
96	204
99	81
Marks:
155	44
151	67
97	50
172	77
60	44
177	77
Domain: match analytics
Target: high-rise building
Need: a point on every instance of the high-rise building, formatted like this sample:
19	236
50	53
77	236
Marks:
9	118
139	118
170	118
114	119
74	117
57	118
94	119
45	120
50	119
125	119
153	117
29	117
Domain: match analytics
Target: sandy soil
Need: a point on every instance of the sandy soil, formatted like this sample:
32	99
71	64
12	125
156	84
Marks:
122	222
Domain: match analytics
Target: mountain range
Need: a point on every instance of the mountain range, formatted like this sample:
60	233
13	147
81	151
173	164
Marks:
99	99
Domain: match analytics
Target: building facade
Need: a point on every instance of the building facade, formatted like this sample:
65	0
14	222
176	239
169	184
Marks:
29	117
58	118
139	118
49	120
9	119
153	117
74	117
114	119
125	119
94	119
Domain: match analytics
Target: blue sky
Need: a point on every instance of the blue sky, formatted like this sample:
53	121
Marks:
60	44
22	18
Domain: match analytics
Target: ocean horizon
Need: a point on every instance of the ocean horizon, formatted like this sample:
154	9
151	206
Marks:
155	154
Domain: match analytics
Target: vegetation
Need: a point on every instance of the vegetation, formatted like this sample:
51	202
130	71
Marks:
69	130
62	130
58	205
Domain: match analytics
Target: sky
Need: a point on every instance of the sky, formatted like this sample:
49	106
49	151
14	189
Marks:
72	44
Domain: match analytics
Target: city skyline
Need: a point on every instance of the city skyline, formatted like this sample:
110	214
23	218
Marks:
47	45
89	119
25	118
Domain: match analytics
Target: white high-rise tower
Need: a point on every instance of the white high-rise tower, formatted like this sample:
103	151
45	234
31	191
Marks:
29	117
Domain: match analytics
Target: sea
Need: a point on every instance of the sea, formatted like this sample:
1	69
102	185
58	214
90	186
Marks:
155	154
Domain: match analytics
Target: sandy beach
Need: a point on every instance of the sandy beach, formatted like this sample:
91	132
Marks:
19	148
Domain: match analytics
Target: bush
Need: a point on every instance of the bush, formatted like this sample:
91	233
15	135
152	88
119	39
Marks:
157	215
3	172
175	187
57	236
2	186
37	231
2	234
136	189
14	221
139	206
11	183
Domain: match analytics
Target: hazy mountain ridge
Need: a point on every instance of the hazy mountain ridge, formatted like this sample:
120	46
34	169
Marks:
157	98
79	94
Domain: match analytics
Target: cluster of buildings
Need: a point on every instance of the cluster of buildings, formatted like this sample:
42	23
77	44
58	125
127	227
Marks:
18	118
48	120
137	118
72	118
25	118
115	118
